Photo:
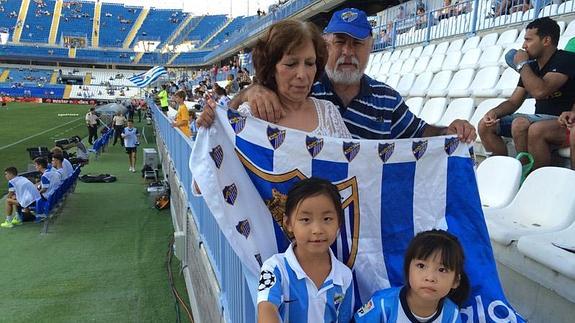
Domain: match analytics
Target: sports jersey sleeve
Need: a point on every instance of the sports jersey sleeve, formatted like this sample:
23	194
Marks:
370	312
11	187
404	123
45	181
270	284
564	63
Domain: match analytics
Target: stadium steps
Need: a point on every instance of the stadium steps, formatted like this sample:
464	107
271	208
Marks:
67	91
96	25
138	57
216	33
54	78
72	52
88	79
55	22
134	31
4	75
22	19
173	58
178	30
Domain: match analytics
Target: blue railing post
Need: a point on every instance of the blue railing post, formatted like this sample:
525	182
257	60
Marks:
474	17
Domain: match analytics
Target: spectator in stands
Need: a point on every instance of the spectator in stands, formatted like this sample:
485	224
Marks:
67	167
21	194
163	96
232	87
50	179
548	75
131	141
447	10
182	120
221	96
358	96
92	121
193	125
421	18
244	78
119	122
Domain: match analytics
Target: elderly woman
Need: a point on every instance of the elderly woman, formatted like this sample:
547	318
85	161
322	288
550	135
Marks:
288	59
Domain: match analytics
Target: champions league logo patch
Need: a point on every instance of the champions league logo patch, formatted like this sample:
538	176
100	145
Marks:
230	194
267	280
385	151
350	150
217	155
243	228
314	145
237	121
418	148
348	16
451	145
276	136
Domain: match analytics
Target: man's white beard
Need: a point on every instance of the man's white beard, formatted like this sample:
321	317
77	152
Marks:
345	77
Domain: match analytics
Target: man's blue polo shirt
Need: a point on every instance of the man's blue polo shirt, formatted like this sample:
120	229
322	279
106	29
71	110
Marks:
377	112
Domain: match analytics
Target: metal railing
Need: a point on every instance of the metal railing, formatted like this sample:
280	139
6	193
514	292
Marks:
235	296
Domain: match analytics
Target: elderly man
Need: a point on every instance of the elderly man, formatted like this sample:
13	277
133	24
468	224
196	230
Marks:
370	109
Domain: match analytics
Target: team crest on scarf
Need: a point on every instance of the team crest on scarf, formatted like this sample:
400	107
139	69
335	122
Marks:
314	145
418	148
277	207
237	121
243	228
350	150
230	194
450	145
217	155
276	136
385	151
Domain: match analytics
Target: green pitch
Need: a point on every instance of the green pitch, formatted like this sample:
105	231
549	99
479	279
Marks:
24	125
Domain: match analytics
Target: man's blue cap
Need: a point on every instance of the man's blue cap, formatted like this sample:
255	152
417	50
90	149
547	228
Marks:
349	21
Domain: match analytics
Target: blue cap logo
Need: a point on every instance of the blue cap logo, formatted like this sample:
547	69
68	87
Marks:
348	16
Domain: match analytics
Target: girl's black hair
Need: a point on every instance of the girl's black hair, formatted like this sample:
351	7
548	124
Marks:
426	243
313	187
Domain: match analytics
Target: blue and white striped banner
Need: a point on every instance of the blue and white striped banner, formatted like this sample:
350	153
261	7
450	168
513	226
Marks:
145	79
391	190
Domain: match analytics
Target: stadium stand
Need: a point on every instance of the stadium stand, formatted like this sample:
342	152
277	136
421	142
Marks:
159	23
115	23
75	20
38	20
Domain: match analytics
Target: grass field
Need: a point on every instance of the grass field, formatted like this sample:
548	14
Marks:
24	125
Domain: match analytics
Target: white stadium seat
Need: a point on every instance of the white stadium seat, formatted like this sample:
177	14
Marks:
383	69
415	105
545	203
421	84
486	79
482	109
521	37
563	41
451	61
552	249
433	110
570	30
529	15
421	64
498	180
455	45
459	85
566	6
488	40
504	87
562	25
461	108
470	43
438	86
507	37
470	59
405	84
408	65
528	107
436	63
396	67
428	50
392	80
490	56
395	55
386	56
405	53
416	52
441	48
549	10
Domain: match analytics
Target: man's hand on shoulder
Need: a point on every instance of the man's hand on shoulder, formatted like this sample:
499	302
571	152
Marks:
463	129
264	103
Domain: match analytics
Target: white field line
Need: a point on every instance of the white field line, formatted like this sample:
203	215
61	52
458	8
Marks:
38	134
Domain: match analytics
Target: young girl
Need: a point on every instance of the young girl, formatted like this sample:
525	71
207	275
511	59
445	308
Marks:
307	283
435	287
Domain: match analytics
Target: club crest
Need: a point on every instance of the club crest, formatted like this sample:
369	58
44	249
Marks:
314	145
350	150
237	121
451	145
230	194
217	155
276	136
385	151
418	148
243	227
348	16
277	207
